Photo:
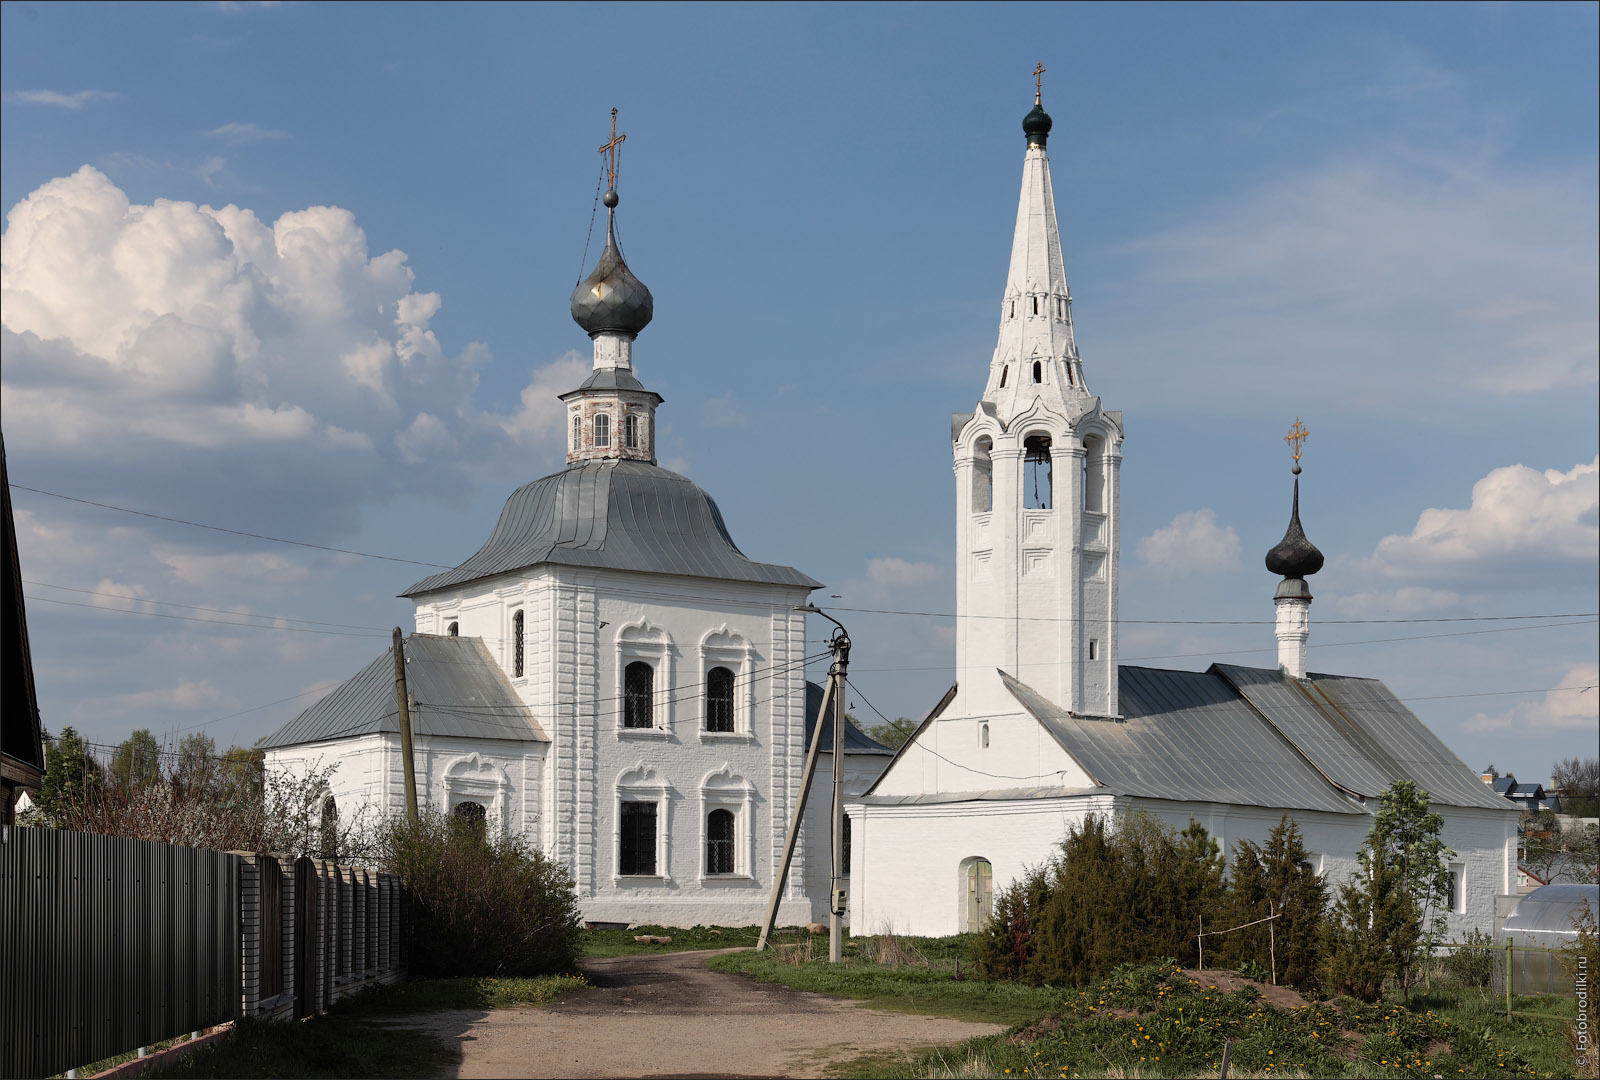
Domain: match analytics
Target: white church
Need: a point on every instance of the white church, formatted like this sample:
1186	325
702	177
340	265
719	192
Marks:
611	677
1044	727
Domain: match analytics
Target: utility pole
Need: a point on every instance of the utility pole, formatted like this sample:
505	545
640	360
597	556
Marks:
833	694
403	700
836	891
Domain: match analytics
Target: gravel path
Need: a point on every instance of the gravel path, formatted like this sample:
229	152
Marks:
666	1015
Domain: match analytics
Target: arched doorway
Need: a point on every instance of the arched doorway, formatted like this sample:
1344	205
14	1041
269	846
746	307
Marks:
977	884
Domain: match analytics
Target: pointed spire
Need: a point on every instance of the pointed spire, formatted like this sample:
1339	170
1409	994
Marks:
1036	309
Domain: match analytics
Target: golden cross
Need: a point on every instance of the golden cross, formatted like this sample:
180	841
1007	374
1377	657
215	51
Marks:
1297	435
1038	83
610	149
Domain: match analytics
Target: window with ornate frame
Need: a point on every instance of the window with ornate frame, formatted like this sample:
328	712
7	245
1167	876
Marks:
725	814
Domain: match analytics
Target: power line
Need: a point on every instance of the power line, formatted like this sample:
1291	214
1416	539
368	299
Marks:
196	607
234	532
196	618
1216	622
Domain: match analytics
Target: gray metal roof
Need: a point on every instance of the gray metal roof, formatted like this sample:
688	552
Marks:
1186	736
617	515
935	798
1360	735
459	690
856	741
612	379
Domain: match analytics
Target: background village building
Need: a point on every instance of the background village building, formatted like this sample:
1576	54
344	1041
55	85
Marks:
608	675
1044	728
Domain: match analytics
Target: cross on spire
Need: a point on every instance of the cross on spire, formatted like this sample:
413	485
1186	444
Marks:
610	150
1297	435
1038	83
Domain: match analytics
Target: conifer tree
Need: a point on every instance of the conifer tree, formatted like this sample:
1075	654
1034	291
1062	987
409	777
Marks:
70	775
1299	896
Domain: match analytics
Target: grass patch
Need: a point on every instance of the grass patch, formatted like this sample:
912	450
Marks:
1154	1021
428	995
932	976
325	1047
593	944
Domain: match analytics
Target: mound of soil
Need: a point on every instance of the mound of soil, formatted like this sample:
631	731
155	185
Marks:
1281	996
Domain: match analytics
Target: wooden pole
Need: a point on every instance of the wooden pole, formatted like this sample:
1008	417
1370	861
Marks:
836	901
402	700
1201	941
1272	941
794	822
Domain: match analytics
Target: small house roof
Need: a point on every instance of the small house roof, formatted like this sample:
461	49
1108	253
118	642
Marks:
856	741
458	688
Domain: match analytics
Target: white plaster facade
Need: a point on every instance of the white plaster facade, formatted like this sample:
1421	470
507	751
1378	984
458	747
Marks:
1036	587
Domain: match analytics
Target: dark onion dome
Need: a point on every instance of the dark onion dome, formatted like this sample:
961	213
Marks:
1295	556
1036	125
611	298
616	515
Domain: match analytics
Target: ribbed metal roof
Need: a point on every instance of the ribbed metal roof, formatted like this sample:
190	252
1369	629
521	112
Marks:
459	690
612	379
856	741
1186	736
1360	735
616	515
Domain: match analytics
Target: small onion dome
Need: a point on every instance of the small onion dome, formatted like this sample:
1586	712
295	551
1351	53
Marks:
1036	126
1295	556
611	298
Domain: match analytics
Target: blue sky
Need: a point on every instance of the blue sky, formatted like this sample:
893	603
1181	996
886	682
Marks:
1381	219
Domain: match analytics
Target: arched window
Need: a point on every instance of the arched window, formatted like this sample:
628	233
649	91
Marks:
630	431
982	476
473	815
983	736
1005	370
453	630
1013	314
1061	308
330	828
1036	489
844	852
577	433
719	699
1036	305
719	842
638	692
1038	371
602	429
516	645
1094	474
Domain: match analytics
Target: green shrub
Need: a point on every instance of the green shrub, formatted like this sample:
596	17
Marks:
1473	965
482	904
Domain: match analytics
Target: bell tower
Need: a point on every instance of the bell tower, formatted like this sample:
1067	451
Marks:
1037	467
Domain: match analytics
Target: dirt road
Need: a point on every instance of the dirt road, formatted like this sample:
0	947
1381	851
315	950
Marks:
666	1015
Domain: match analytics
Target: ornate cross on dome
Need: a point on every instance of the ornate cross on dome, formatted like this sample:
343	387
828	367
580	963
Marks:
1297	435
1038	83
610	150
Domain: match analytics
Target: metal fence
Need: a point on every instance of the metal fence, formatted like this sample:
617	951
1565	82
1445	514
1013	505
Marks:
1502	971
107	944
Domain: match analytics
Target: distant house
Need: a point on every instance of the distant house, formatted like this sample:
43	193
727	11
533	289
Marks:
21	740
1531	797
1527	880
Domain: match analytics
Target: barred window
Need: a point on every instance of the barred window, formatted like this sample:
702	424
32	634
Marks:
453	630
630	432
844	856
638	691
719	842
638	838
517	645
719	699
602	429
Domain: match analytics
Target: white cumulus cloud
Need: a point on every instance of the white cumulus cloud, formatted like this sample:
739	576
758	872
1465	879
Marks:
1521	522
1192	543
204	354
